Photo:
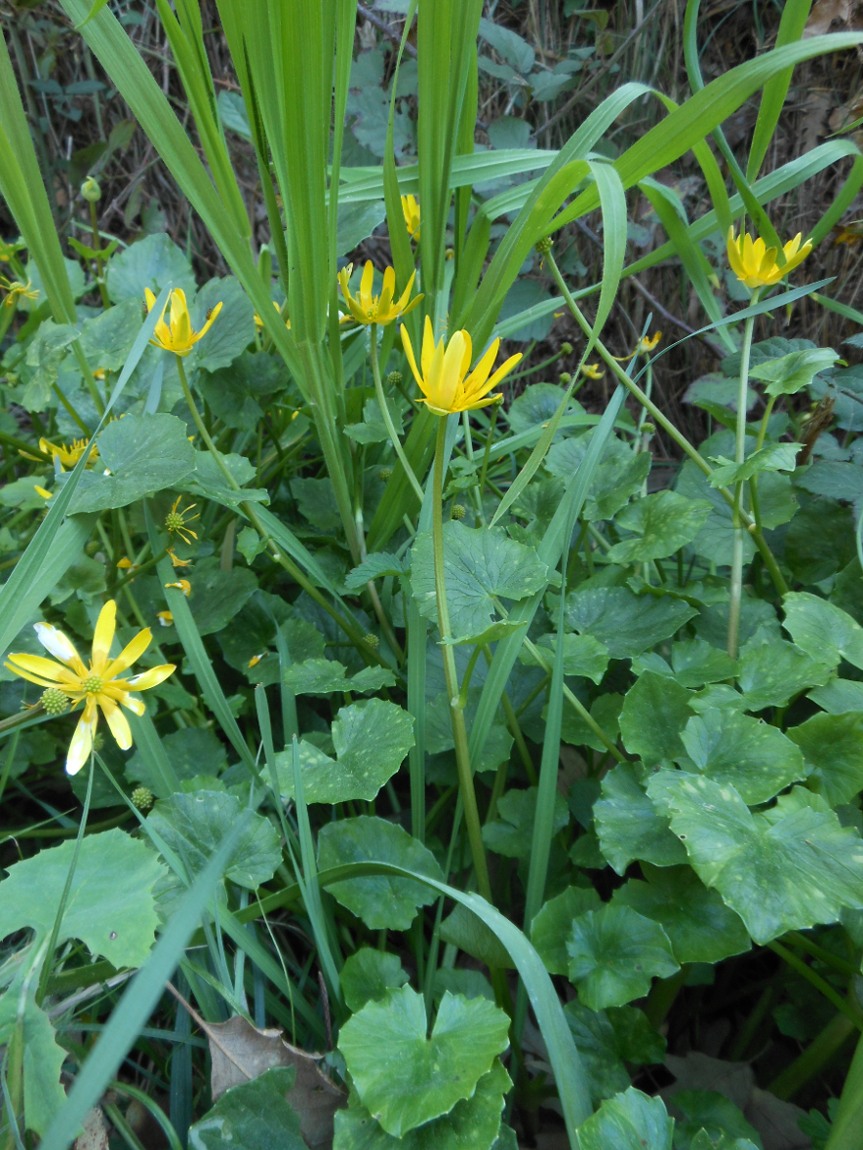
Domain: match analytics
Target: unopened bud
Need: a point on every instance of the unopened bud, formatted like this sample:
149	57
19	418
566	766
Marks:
566	348
565	378
91	191
142	798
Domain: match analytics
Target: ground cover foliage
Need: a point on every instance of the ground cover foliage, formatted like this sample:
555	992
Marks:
492	770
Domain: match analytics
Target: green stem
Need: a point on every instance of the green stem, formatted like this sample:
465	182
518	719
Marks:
388	421
812	1061
668	427
737	508
820	984
459	729
576	703
845	1134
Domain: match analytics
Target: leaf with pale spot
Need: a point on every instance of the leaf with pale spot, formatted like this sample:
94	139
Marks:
480	565
97	909
782	870
754	757
371	739
662	523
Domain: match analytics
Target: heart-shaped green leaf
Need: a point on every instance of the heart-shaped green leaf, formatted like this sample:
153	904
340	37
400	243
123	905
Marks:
406	1078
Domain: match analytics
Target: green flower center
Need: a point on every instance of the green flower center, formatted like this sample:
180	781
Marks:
173	521
92	685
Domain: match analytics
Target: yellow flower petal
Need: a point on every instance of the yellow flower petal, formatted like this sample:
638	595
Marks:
97	686
445	380
756	265
367	308
82	744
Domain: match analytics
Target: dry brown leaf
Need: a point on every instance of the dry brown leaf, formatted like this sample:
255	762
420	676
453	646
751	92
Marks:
241	1052
827	13
94	1135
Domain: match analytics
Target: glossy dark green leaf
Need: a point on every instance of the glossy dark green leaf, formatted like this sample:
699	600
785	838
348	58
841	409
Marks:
655	711
625	623
700	927
833	749
629	826
614	955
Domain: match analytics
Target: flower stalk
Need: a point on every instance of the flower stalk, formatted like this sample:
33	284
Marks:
467	790
387	418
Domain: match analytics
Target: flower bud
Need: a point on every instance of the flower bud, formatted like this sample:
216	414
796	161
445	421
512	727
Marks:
142	798
458	511
91	191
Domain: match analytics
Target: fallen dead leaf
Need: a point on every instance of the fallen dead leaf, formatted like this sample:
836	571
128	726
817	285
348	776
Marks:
241	1052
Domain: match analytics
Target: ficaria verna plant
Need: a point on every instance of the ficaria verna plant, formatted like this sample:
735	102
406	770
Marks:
502	760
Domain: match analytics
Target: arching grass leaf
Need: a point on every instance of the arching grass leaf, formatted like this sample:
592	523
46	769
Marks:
383	902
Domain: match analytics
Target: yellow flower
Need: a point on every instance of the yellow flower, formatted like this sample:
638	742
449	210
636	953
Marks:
182	585
755	265
98	686
444	379
411	213
176	561
178	336
259	323
592	371
16	290
380	309
177	523
166	618
68	456
645	345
